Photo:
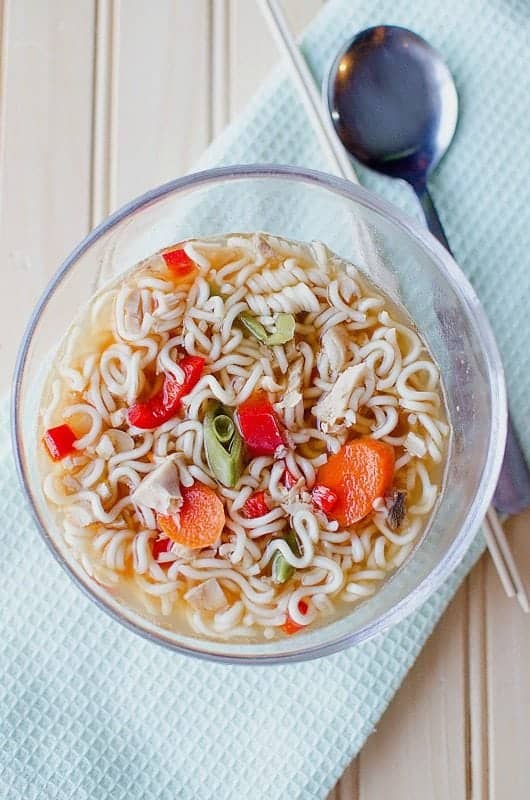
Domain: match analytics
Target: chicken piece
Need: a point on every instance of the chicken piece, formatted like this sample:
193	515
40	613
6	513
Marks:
332	356
322	256
269	384
105	448
137	316
264	251
160	489
114	441
334	408
293	390
207	596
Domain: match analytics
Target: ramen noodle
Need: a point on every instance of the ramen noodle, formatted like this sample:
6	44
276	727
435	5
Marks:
242	436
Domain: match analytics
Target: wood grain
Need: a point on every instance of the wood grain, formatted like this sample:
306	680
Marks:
162	92
252	50
422	735
46	116
476	676
104	94
508	683
220	65
88	121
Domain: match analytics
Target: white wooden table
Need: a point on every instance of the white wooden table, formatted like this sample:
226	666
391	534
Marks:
101	99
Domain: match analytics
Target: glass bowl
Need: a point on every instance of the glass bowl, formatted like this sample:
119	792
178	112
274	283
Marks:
400	256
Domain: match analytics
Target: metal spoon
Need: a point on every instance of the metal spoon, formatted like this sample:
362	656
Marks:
394	106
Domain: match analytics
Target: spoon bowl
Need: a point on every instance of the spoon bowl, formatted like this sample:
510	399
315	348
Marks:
393	103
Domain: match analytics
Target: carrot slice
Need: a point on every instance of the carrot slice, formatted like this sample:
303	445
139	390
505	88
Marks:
361	471
200	521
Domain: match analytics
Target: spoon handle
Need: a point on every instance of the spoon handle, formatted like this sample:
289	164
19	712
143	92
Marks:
512	494
431	217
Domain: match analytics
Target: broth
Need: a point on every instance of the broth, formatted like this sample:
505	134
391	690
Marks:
260	437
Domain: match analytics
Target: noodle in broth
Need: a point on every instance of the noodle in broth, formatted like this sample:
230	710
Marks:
354	369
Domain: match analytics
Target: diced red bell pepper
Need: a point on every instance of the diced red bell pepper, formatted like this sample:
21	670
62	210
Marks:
323	498
60	441
192	367
178	263
165	403
255	506
290	626
160	546
288	479
259	426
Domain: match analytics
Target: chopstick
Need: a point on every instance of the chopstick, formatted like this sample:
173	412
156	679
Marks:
492	524
496	541
308	91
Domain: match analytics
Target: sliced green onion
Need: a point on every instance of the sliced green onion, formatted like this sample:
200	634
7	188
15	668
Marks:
292	540
284	328
224	428
282	571
255	327
223	444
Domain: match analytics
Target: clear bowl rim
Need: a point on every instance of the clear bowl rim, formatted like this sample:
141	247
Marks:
467	297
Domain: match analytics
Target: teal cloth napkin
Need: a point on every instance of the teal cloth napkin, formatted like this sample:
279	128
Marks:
89	710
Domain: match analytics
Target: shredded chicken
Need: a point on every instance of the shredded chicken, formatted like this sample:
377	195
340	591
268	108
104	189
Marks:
207	596
262	248
104	491
118	417
105	448
335	408
136	310
269	384
160	489
333	352
298	499
114	441
293	390
71	483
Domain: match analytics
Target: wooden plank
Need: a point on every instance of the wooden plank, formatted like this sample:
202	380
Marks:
103	186
508	683
347	788
162	91
251	44
419	749
476	679
220	66
46	141
4	17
